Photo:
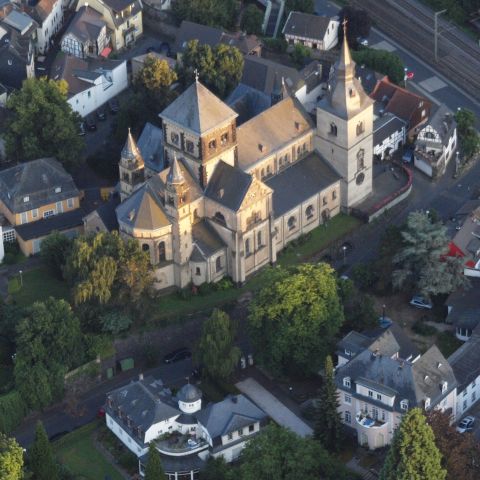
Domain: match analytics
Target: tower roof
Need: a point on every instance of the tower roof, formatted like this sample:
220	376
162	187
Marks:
198	110
346	97
189	393
175	175
131	152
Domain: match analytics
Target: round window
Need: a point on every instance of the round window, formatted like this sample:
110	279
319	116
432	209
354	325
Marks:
360	178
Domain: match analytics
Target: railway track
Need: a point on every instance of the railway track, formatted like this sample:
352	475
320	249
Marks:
412	27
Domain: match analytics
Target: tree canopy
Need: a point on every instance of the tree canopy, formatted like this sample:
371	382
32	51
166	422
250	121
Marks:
469	137
422	263
252	20
413	453
215	13
281	454
40	456
219	68
156	75
54	252
49	342
295	317
216	351
328	422
305	6
43	124
11	459
381	61
105	268
154	469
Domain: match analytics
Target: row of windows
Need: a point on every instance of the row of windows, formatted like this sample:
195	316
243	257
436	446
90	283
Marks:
47	213
260	244
282	161
161	251
189	145
334	129
242	431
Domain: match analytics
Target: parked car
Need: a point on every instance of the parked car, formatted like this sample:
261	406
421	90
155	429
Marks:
81	129
101	114
177	355
91	124
466	425
113	105
362	41
420	302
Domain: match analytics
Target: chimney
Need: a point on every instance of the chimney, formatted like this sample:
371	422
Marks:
261	147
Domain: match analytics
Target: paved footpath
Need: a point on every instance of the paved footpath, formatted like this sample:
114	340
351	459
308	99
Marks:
273	407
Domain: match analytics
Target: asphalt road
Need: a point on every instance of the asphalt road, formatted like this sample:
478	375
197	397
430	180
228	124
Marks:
449	94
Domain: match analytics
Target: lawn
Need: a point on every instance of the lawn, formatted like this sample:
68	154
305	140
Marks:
78	453
38	284
173	307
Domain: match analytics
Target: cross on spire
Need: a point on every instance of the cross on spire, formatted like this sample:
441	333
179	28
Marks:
196	74
344	23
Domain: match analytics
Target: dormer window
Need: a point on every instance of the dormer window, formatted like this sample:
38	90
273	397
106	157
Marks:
26	199
58	189
174	137
333	129
404	405
346	382
444	386
427	402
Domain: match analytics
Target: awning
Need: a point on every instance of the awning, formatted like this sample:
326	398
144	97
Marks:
105	52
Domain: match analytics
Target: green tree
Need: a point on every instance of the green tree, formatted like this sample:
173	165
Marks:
220	68
294	318
104	268
215	13
422	263
328	421
281	454
305	6
388	63
252	20
40	456
54	252
156	75
154	469
390	244
11	459
413	454
300	54
43	124
115	322
469	137
216	351
217	469
49	342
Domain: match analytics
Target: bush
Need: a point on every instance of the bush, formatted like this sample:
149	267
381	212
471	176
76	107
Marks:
12	411
300	54
423	329
206	288
9	258
224	284
364	276
278	45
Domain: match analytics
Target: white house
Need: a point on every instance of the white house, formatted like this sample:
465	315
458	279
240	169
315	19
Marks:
91	82
465	363
436	143
389	134
184	433
49	16
314	31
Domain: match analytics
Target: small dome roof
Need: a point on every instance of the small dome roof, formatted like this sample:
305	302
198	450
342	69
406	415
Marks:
189	393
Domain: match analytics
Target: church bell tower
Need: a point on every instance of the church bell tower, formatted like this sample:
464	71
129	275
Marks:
132	168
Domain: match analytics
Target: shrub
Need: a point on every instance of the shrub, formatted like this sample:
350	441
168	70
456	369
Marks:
224	284
423	329
9	258
364	276
278	45
12	411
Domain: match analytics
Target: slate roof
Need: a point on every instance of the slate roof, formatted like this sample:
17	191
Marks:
198	110
228	186
86	25
306	25
206	240
107	213
299	182
229	415
368	78
385	126
146	402
150	145
189	393
465	361
272	129
45	226
36	180
248	102
443	122
410	381
143	209
353	342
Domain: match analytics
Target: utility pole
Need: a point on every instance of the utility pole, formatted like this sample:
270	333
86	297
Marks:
435	32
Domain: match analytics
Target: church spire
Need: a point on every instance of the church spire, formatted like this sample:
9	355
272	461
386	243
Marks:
175	175
345	56
131	153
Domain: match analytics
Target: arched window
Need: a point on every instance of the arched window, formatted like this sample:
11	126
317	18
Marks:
195	215
259	239
292	223
361	159
161	252
146	247
333	129
324	201
220	218
262	174
218	264
247	247
298	151
309	212
198	271
360	128
304	148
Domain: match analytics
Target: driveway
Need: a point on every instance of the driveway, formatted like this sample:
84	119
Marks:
273	407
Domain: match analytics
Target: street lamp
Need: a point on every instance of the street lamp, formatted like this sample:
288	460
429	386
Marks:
383	311
405	76
21	278
344	248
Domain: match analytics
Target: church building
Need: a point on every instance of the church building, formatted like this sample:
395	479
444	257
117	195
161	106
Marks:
229	198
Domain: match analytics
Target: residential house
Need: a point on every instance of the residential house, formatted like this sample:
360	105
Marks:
389	134
18	33
91	82
317	32
464	310
381	375
37	198
436	143
123	18
247	44
411	108
184	432
466	244
49	16
465	363
87	35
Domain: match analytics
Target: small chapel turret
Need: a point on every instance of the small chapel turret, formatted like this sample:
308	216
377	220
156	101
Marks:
132	168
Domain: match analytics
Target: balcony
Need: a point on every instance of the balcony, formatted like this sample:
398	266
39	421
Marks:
177	444
367	421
